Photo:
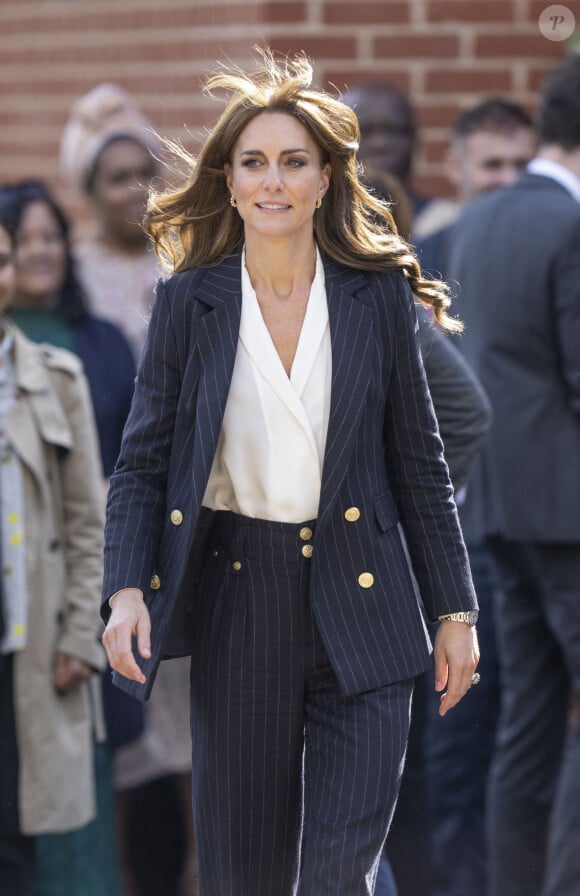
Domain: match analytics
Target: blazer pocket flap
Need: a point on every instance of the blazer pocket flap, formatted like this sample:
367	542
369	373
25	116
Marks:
386	511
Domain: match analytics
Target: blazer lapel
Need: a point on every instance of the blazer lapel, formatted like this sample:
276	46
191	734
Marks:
216	343
350	331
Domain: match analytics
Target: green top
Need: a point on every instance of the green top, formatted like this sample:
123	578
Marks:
44	325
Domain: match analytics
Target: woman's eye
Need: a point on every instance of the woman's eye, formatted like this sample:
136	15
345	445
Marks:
251	163
296	163
119	179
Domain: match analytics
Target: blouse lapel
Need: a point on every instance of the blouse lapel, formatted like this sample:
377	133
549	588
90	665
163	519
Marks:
258	343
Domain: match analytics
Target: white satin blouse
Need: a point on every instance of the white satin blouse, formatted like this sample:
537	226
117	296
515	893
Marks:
268	462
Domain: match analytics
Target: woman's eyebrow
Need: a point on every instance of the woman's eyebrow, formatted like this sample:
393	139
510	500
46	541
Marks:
285	152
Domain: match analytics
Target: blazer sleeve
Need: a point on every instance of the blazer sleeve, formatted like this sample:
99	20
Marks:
566	308
461	405
136	499
419	476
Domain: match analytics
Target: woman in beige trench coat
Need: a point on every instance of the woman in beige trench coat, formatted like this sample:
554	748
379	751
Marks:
50	649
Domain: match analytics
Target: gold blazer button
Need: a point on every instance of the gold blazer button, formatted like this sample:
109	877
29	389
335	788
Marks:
352	514
305	533
176	517
155	582
307	550
366	580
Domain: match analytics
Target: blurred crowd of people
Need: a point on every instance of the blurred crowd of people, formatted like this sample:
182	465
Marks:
94	788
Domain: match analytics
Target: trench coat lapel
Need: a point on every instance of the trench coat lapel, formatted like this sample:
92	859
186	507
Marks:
350	332
38	415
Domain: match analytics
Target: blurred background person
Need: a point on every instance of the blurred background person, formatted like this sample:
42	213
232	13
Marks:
51	522
463	413
491	144
516	255
109	153
389	144
49	306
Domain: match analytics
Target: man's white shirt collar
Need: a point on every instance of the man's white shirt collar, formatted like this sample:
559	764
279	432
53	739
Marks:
557	172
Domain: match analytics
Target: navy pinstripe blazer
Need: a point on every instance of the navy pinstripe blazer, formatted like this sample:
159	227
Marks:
383	455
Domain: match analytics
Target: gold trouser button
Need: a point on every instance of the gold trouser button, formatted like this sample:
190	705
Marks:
366	580
352	514
305	533
236	565
155	582
176	517
307	550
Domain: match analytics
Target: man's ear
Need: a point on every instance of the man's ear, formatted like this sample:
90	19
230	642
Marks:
452	165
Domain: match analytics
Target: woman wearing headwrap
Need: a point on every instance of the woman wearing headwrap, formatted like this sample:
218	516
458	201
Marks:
108	153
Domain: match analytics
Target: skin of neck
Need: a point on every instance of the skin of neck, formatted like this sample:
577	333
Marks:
568	158
280	267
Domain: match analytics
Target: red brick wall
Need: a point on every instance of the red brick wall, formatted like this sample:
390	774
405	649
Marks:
446	53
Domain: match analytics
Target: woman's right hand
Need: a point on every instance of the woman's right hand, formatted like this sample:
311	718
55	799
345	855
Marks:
129	618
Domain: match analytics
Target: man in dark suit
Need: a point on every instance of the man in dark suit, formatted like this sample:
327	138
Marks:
491	144
516	254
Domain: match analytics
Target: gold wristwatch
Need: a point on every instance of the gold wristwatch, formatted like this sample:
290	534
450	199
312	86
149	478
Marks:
469	616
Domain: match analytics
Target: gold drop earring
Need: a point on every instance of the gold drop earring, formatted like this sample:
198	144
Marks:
233	202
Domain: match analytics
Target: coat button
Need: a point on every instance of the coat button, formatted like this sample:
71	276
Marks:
307	550
305	533
236	565
366	580
155	582
352	514
176	517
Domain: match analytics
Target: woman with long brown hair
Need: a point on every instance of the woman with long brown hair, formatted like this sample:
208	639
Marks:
281	428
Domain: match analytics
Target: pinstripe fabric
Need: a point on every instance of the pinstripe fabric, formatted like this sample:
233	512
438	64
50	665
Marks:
294	784
383	456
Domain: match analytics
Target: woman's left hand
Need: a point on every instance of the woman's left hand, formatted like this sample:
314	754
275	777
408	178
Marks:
456	657
69	672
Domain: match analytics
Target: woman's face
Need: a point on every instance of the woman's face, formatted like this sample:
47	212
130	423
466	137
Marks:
276	175
6	271
40	257
119	191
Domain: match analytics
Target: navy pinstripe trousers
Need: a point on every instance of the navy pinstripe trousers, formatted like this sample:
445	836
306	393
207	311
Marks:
294	784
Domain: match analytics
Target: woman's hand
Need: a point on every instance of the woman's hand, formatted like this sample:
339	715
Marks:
69	672
456	658
129	618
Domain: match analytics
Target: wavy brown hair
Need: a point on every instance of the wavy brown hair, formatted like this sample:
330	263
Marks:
195	224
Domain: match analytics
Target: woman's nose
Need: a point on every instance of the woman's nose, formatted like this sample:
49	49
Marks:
273	179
